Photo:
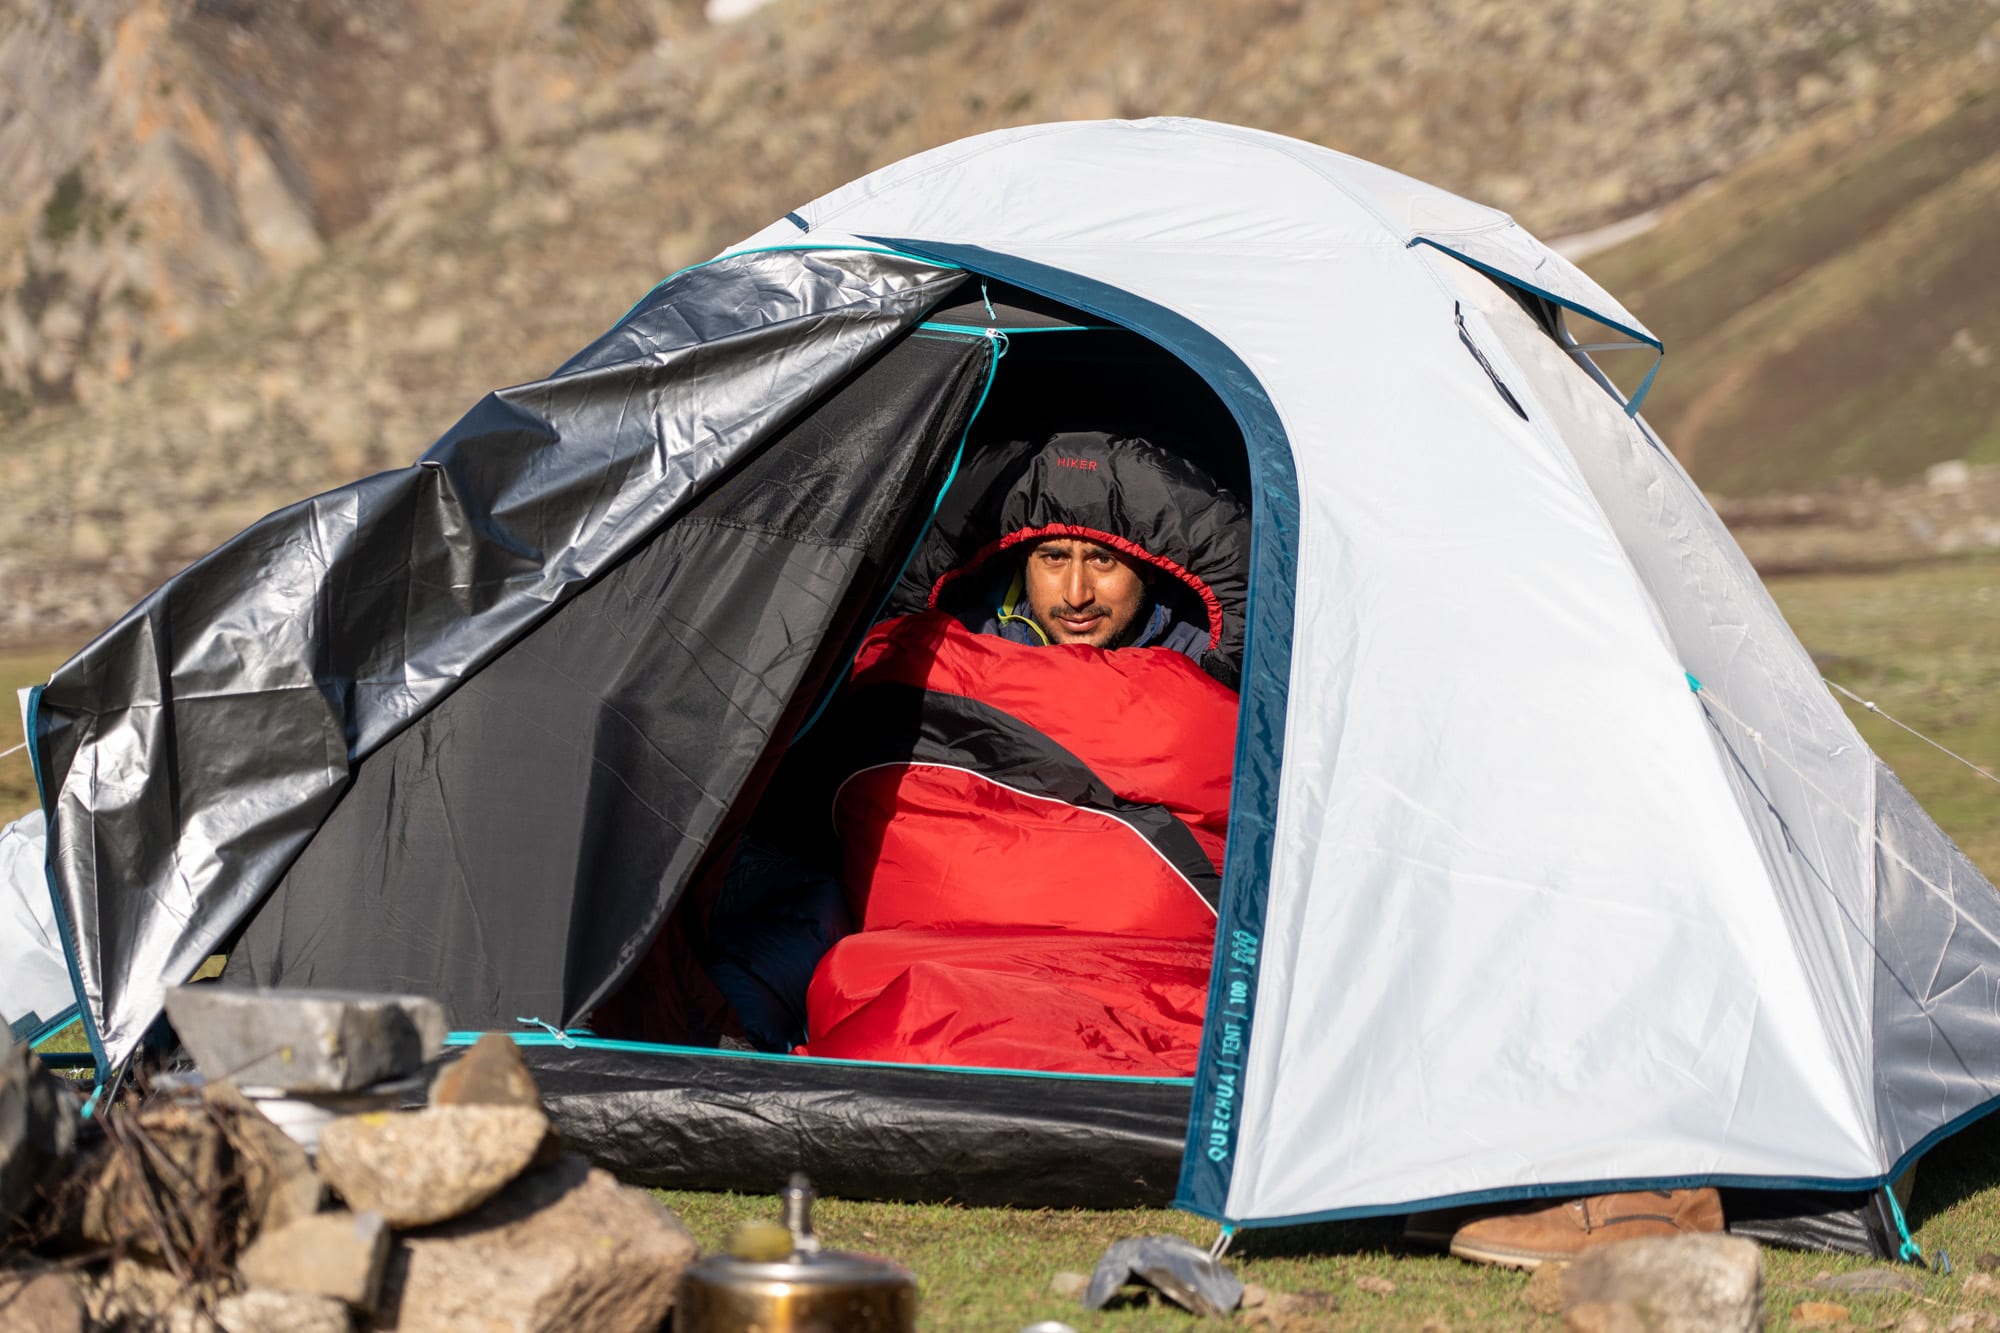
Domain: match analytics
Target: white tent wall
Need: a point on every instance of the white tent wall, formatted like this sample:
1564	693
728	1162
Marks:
1801	776
1897	928
34	979
1495	956
1538	914
1937	990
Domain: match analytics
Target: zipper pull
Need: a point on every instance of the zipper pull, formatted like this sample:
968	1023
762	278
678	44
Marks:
1465	336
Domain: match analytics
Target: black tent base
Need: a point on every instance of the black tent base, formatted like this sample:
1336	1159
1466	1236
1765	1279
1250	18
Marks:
719	1120
722	1120
1858	1222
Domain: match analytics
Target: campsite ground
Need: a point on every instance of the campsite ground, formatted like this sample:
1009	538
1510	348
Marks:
989	1269
1922	641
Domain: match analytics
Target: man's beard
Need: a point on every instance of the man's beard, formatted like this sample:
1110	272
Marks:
1057	633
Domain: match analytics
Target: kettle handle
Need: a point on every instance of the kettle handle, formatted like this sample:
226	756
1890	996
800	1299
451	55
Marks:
798	1196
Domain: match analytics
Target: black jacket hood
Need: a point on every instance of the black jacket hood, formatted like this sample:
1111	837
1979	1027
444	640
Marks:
1125	492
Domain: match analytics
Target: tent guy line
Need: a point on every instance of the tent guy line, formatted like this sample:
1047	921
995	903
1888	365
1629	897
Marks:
1879	711
1875	839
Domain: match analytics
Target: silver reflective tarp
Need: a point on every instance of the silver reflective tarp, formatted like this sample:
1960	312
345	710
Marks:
191	750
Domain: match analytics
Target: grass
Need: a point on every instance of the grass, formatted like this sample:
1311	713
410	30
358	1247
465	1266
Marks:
19	668
983	1268
1922	641
1924	644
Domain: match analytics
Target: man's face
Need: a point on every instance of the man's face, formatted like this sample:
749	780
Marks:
1080	592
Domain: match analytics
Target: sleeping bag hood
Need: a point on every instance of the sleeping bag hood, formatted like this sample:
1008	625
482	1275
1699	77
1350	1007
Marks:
1130	494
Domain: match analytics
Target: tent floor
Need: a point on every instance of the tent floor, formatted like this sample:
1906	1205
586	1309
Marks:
721	1120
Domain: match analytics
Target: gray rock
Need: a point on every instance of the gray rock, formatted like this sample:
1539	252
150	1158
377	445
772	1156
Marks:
338	1254
261	1311
44	1302
420	1167
491	1073
304	1040
37	1128
1869	1279
1681	1284
563	1248
1948	478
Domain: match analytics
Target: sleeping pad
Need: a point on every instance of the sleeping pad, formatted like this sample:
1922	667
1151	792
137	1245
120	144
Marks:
1032	843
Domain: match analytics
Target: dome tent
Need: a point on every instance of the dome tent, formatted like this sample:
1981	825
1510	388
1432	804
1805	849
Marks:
1552	866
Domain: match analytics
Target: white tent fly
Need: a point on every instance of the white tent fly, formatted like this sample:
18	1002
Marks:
35	988
1554	866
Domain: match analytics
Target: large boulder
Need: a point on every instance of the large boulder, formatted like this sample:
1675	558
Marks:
1677	1284
37	1128
562	1248
420	1167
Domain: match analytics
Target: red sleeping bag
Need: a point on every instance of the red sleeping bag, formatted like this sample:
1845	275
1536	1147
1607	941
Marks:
1032	843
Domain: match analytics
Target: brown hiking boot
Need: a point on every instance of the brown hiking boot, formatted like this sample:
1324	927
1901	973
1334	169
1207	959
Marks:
1529	1238
1434	1230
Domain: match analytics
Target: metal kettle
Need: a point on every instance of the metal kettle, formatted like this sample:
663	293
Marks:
777	1279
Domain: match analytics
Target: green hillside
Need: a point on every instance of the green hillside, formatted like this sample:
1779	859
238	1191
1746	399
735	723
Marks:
475	235
1833	309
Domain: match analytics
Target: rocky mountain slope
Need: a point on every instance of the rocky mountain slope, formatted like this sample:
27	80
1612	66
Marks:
481	200
165	157
1832	309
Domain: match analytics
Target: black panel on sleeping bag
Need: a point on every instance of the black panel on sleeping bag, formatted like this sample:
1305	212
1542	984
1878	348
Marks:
512	851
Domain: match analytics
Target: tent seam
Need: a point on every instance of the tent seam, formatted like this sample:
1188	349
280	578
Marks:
898	182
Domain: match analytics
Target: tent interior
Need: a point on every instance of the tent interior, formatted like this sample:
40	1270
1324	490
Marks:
1059	371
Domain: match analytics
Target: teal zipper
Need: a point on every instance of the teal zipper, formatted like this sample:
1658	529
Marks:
574	1040
997	341
100	1067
